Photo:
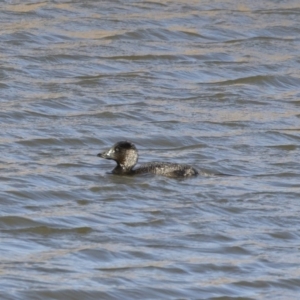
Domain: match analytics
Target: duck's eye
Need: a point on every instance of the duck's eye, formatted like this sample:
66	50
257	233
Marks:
117	149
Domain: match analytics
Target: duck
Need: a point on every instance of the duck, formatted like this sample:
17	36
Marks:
125	154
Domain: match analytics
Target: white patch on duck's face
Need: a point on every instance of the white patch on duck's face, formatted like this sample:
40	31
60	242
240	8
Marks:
110	152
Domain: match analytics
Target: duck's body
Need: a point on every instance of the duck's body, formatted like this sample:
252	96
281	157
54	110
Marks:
126	156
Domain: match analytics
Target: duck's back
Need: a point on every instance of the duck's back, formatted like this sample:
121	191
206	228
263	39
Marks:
167	169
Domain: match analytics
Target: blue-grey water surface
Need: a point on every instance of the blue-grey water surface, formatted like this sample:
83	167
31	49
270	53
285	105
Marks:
213	84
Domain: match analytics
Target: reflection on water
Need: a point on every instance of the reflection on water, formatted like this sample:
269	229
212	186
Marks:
207	83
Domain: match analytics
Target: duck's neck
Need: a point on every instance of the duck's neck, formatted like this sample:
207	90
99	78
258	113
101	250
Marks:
119	169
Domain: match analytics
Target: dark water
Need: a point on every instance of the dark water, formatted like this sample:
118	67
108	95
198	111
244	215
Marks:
214	84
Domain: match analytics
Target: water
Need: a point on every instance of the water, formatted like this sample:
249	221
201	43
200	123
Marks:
208	83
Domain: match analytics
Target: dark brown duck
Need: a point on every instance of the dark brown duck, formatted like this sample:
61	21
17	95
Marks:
125	154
